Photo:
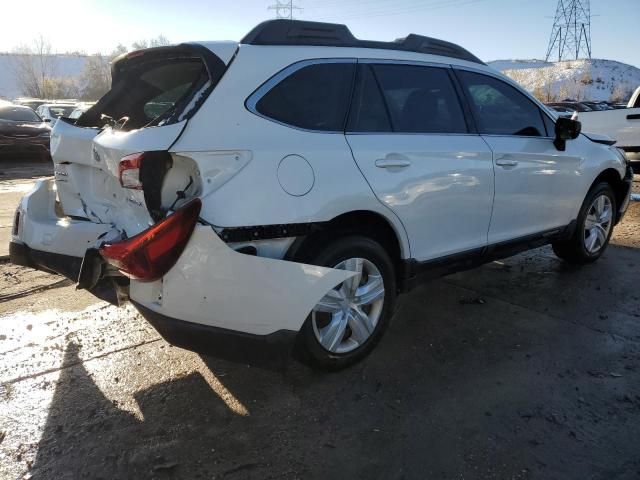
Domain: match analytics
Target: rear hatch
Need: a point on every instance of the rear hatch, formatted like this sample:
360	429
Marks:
154	93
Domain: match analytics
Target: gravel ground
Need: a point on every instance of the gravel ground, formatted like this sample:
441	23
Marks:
525	368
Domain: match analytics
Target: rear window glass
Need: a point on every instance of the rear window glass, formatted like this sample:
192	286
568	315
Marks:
161	89
18	115
315	97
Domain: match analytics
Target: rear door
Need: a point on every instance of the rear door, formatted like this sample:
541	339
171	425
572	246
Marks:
154	93
535	187
409	137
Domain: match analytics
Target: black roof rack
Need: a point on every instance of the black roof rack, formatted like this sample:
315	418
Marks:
297	32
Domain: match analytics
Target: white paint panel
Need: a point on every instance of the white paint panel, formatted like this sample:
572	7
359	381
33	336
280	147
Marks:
214	285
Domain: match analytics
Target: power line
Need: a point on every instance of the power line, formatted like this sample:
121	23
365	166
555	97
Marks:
284	8
397	9
571	32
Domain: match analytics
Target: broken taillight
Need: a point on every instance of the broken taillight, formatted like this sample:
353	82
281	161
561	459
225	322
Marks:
149	255
129	171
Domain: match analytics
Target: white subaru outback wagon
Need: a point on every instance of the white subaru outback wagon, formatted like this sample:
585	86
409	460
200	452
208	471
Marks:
275	196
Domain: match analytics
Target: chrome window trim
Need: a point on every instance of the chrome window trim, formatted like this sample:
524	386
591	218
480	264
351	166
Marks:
253	99
503	78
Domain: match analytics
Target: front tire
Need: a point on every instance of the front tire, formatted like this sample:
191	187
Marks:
593	229
350	320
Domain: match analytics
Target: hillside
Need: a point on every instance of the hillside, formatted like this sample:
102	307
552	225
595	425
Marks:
593	79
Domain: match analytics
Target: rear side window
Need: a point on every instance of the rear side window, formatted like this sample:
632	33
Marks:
406	99
499	108
315	97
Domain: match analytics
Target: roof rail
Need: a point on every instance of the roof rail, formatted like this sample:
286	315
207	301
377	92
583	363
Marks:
297	32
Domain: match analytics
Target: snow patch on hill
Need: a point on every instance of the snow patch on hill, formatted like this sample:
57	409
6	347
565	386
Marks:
593	79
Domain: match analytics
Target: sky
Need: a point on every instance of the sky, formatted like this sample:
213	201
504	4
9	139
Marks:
491	29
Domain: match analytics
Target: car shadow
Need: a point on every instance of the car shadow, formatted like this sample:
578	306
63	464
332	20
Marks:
496	373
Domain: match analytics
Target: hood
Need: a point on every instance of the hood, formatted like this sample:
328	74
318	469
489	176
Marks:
10	128
599	138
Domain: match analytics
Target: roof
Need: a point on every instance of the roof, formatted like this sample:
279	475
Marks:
297	32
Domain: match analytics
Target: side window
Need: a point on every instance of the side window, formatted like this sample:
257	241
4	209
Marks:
499	108
368	110
415	99
316	97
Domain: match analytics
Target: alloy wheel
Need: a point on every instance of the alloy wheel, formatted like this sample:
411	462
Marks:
347	316
598	224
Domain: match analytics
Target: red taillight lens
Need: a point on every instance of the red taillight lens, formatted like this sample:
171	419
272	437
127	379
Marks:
150	255
129	171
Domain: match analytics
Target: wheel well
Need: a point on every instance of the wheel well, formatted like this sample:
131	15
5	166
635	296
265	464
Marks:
612	177
360	222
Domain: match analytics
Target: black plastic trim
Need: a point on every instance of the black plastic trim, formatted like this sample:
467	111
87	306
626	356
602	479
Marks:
297	32
268	232
415	272
266	351
65	265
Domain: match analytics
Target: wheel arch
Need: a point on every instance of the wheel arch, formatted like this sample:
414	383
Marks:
359	222
612	177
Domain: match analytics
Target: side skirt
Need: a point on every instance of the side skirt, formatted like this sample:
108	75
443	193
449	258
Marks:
415	273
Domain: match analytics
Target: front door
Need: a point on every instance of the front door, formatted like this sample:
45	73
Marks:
535	187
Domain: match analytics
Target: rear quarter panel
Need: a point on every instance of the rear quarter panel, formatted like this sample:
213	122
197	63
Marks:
255	196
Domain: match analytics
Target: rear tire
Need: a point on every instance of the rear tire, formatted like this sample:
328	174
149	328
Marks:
336	334
594	227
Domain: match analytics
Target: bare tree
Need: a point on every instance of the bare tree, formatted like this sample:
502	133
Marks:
33	65
95	80
158	41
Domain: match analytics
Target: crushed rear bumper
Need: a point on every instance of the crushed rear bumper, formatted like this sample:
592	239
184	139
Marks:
266	351
212	298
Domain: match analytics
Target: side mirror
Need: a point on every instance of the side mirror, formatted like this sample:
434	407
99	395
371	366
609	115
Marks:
566	129
47	120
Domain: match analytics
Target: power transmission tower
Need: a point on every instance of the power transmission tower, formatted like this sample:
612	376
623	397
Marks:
571	33
284	8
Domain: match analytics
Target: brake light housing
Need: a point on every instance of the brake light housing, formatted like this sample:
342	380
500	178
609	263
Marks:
149	255
129	171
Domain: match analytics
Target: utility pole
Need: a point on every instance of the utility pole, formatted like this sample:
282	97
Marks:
284	8
571	32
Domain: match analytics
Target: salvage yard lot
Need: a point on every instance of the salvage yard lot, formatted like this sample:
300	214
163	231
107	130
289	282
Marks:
524	368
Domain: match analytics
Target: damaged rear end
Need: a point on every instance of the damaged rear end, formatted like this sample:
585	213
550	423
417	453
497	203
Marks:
122	215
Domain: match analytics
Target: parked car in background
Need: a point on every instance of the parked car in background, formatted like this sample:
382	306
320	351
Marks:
573	106
23	133
298	181
597	106
563	111
623	125
80	109
32	103
50	112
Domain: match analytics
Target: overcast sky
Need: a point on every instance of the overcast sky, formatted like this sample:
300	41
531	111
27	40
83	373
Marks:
491	29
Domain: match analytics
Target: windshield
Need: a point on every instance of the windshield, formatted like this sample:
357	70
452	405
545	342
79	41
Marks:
61	110
19	114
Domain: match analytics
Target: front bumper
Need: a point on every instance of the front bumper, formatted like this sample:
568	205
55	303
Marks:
633	156
626	196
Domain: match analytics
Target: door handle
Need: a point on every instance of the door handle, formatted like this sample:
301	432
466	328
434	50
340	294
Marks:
506	161
393	161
